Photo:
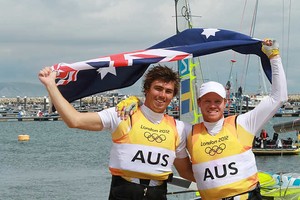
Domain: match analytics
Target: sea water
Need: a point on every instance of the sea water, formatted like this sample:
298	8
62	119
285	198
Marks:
62	163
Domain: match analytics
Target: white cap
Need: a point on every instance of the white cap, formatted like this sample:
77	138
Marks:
212	86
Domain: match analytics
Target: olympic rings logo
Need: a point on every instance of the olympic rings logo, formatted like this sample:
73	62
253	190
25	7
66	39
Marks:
151	137
215	149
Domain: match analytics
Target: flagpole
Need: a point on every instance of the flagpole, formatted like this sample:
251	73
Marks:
177	31
176	17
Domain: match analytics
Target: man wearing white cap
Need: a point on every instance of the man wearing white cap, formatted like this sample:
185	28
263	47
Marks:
223	163
221	148
216	91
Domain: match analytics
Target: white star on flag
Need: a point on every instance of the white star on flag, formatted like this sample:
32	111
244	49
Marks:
209	32
105	70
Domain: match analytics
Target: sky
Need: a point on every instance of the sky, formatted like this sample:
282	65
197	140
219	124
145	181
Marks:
38	33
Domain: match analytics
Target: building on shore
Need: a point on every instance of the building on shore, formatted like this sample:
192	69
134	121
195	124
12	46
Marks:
20	107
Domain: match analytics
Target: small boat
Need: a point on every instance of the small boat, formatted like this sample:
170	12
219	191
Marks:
273	147
276	146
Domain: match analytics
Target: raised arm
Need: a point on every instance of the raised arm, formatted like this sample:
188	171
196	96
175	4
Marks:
73	118
254	120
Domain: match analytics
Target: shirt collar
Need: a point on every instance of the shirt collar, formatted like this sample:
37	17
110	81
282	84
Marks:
152	116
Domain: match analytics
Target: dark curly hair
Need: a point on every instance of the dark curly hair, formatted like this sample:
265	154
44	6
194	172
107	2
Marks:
162	73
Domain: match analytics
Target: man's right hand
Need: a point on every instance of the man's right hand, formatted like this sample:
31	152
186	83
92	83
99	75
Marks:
47	76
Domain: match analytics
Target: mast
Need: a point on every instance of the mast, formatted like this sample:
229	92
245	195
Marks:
176	17
188	108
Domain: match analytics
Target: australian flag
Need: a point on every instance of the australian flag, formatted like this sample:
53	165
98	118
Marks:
85	78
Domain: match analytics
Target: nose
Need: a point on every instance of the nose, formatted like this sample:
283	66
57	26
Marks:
213	105
162	93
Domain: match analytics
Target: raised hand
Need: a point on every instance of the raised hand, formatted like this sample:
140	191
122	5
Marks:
270	47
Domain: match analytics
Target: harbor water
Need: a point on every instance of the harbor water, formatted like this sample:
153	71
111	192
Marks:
62	163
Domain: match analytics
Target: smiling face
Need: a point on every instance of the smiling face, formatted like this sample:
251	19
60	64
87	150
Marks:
159	95
212	107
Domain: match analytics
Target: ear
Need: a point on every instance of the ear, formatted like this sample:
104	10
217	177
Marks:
198	102
146	92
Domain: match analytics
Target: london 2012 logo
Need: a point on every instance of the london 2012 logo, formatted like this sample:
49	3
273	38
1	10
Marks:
216	149
154	137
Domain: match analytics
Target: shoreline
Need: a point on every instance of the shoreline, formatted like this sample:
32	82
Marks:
100	98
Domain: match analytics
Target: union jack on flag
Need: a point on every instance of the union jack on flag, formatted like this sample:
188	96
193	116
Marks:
85	78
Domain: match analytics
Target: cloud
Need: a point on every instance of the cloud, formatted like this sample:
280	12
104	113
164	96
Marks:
36	33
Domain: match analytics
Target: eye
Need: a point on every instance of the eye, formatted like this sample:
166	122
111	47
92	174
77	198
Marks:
158	88
169	91
207	101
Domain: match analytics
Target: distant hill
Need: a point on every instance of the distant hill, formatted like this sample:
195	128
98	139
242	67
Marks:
14	89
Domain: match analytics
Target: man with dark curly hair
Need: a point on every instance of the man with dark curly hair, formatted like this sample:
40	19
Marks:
145	146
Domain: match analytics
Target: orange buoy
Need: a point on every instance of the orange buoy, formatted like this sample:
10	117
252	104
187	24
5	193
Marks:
23	137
